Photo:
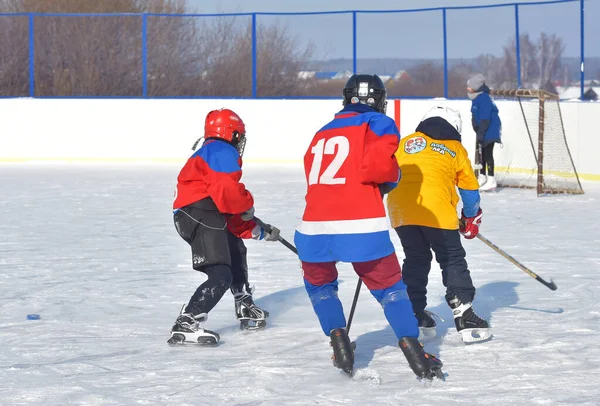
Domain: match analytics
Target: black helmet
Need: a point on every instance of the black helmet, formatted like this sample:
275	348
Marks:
366	89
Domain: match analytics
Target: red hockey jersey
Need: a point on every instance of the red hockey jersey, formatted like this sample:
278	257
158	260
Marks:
344	218
215	171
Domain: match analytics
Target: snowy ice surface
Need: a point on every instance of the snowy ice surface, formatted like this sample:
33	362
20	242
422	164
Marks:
93	250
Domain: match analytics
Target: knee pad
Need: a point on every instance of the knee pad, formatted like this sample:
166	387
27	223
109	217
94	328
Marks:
394	296
320	293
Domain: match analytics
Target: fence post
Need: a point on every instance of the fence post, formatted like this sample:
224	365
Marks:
254	50
144	55
582	25
445	53
354	57
517	46
31	57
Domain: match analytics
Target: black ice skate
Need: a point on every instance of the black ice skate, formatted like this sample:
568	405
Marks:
471	327
424	365
343	350
251	316
187	330
427	325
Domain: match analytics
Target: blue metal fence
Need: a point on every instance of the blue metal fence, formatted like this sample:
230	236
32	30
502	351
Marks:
420	52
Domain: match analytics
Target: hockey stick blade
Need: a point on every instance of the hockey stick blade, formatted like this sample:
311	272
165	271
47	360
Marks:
282	240
550	285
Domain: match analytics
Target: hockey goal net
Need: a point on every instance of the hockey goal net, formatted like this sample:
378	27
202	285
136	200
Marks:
534	152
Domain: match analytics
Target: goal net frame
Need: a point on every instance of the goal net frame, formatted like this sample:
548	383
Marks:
542	96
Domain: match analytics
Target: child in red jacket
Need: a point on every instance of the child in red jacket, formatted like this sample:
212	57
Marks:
213	211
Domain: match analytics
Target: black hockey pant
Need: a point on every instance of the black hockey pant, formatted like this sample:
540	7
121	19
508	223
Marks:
215	251
418	241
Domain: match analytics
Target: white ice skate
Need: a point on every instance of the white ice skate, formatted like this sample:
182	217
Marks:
481	179
188	330
251	316
471	327
489	186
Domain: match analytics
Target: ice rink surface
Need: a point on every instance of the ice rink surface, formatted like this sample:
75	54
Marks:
93	251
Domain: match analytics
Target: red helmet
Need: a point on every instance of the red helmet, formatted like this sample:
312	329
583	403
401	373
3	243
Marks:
224	124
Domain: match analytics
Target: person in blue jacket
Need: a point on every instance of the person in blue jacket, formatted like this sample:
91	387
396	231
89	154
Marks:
488	127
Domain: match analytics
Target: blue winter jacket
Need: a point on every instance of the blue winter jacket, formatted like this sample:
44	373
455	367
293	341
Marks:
485	119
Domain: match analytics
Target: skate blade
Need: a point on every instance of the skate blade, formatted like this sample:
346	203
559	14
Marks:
426	334
475	335
179	339
252	325
434	374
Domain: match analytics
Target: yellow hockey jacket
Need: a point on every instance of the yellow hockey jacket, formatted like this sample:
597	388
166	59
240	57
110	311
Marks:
433	163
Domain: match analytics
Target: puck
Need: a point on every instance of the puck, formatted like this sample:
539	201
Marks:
33	317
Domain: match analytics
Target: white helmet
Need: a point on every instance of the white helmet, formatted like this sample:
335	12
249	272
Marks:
450	115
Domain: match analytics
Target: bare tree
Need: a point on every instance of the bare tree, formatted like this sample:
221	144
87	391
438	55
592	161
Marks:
540	63
186	56
426	79
14	56
551	49
457	79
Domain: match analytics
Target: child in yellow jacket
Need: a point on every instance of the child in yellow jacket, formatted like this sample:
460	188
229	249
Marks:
423	211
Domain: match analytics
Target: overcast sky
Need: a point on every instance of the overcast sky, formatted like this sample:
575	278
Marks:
418	34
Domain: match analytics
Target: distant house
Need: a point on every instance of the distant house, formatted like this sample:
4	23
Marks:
574	92
401	75
325	75
342	75
306	74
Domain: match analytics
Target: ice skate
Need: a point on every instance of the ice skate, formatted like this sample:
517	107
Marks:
482	179
188	330
343	350
471	327
251	316
427	325
490	185
424	365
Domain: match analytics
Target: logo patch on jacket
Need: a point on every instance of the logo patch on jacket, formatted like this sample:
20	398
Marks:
415	145
442	149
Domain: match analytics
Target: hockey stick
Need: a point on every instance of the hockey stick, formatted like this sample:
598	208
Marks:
351	316
282	240
268	229
550	285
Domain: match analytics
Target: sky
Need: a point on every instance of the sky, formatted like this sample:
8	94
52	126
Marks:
418	34
93	251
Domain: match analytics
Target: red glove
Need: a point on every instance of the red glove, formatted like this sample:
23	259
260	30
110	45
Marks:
469	226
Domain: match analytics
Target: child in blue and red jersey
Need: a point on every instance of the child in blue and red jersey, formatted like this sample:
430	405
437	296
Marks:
349	165
213	211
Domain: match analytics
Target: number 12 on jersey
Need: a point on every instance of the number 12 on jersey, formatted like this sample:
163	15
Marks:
328	147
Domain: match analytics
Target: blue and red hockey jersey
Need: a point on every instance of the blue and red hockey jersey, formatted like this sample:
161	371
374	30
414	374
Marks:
214	171
345	219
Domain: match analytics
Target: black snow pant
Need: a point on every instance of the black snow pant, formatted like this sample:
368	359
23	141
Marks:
215	251
487	160
418	241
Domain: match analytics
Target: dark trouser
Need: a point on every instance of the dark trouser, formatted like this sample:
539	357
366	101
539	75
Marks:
487	160
418	241
215	251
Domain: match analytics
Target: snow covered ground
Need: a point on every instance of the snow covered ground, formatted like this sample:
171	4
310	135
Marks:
93	250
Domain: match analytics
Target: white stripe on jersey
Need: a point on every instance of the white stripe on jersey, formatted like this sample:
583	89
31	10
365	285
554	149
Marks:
361	226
